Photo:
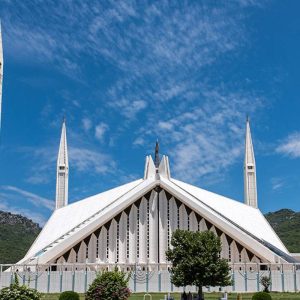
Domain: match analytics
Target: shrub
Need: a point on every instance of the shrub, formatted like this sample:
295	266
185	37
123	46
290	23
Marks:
261	296
19	292
109	285
69	295
265	282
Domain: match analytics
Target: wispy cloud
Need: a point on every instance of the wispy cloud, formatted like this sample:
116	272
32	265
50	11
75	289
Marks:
100	131
290	146
84	160
87	124
36	200
277	183
165	61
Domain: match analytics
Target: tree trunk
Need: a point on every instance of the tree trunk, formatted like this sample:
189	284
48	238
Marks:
200	293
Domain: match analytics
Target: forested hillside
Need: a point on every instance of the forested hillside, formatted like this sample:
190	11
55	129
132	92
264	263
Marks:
17	233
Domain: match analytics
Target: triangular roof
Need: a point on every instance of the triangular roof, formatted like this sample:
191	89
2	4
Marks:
76	221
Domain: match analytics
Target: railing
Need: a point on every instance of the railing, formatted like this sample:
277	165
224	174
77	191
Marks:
146	278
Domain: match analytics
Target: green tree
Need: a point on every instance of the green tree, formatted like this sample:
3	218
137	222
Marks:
266	282
109	285
195	258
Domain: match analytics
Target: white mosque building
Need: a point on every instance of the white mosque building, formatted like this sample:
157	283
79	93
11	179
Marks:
133	223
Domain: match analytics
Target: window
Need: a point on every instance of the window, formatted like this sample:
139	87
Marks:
97	247
61	167
148	229
107	244
127	237
118	240
168	220
250	167
138	232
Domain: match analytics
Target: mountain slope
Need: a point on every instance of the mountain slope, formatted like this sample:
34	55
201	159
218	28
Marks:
286	224
17	233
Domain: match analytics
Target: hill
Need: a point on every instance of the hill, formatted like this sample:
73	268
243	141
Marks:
286	224
17	233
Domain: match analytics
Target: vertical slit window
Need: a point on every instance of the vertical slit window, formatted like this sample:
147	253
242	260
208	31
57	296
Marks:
107	244
127	237
168	220
138	233
148	229
97	247
118	240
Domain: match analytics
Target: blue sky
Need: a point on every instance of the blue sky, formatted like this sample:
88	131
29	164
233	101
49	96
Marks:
127	73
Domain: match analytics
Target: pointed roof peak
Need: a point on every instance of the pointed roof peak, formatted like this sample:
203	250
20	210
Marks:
156	156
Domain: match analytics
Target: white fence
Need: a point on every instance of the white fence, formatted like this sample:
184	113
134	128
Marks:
58	278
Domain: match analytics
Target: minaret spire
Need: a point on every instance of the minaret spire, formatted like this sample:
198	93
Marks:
156	157
62	176
250	189
1	73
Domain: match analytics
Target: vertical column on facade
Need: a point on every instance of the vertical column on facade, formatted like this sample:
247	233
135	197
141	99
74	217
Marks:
193	222
112	241
142	243
81	254
163	226
173	216
92	249
244	256
234	252
225	246
202	225
132	234
102	244
213	229
122	238
183	218
72	257
153	227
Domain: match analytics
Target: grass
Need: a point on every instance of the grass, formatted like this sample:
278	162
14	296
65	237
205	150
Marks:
208	296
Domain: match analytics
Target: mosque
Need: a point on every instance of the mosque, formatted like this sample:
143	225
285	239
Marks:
132	224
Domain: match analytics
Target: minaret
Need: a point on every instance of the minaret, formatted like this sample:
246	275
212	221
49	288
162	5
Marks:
62	175
1	73
250	190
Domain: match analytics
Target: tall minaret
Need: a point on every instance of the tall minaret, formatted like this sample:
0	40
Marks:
1	73
250	190
62	175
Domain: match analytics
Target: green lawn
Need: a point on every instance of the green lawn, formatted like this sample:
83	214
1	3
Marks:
210	296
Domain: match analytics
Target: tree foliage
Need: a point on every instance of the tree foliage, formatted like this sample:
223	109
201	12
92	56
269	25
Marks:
266	282
195	258
109	285
261	296
69	295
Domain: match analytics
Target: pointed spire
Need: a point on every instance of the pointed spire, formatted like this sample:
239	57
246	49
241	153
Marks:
250	189
62	178
156	156
1	72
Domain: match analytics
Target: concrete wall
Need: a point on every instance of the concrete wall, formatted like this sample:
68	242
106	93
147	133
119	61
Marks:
245	277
